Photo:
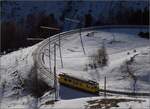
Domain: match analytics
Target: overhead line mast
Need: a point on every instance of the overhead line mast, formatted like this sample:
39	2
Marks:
78	22
55	75
56	29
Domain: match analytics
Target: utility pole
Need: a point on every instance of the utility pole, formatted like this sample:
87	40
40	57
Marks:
78	22
105	92
56	29
81	40
50	69
55	76
60	51
105	87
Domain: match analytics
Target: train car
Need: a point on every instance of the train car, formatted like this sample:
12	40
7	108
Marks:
77	83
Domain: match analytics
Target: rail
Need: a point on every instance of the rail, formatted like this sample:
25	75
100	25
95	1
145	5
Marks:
125	92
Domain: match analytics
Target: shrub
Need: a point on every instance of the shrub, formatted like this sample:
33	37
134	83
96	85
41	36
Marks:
100	59
144	35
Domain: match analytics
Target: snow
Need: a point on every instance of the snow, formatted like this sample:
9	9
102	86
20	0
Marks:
13	68
119	50
126	41
82	103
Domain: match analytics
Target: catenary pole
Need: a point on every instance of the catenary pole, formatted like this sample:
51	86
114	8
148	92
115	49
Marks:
50	69
80	30
81	40
60	51
56	29
55	76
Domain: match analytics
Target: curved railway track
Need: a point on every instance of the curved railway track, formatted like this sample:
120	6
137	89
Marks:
124	93
44	73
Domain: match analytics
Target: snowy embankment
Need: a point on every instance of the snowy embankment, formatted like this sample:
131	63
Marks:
20	61
15	68
99	103
122	45
126	45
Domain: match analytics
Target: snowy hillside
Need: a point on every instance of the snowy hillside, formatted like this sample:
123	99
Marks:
14	69
119	50
24	18
125	49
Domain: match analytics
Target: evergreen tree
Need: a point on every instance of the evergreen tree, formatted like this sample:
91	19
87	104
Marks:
9	32
88	19
102	57
146	16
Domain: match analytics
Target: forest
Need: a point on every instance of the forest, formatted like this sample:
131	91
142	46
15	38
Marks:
29	26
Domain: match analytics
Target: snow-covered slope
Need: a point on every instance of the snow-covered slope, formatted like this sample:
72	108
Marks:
16	66
126	45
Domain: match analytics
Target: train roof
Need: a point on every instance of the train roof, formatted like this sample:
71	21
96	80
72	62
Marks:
79	78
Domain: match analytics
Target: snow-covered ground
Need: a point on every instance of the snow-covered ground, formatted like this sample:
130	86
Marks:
93	103
127	44
16	66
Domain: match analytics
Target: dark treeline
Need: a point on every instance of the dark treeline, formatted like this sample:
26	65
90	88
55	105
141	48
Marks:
14	34
126	16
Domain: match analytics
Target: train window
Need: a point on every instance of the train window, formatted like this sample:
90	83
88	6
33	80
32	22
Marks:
75	82
93	87
88	86
69	80
65	79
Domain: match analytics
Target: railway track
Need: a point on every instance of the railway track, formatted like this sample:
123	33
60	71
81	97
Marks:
124	93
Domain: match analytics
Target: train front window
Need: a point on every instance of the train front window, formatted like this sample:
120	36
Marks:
65	79
69	80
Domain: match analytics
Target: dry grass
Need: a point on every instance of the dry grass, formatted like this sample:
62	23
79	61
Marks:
107	103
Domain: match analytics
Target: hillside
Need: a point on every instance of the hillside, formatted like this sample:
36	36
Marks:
122	45
23	19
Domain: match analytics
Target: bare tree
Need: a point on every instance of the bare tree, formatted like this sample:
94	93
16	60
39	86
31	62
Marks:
129	72
100	59
102	56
